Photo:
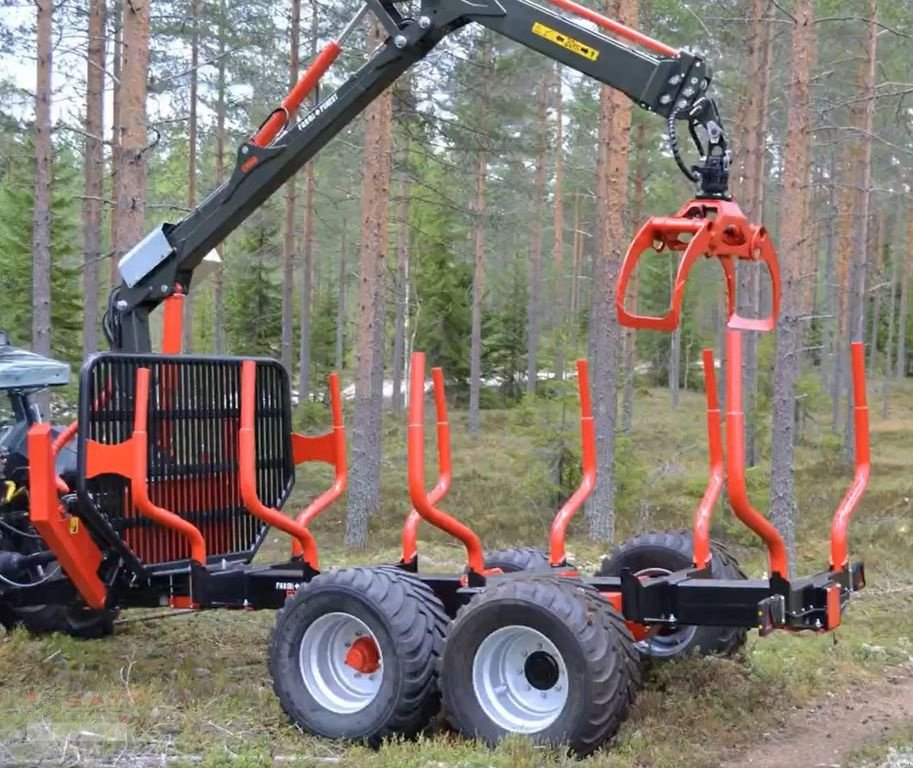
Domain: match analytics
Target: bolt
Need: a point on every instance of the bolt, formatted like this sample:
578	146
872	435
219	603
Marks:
689	92
525	654
358	674
693	81
539	645
520	671
665	98
348	645
163	288
544	695
358	634
244	150
557	687
681	103
121	305
424	22
400	41
675	79
529	687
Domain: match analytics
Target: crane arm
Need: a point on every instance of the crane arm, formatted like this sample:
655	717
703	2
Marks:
674	84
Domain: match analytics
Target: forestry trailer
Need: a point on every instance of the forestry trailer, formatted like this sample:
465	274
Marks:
182	462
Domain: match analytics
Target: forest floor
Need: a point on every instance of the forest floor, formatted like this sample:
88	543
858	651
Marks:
194	690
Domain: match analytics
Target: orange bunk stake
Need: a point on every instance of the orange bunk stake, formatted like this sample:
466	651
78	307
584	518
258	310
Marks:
735	450
847	506
416	457
330	448
173	323
444	469
713	229
715	482
67	539
139	484
247	470
557	554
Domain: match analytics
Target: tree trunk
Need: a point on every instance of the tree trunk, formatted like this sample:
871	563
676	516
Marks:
895	256
116	73
364	478
675	365
874	283
192	153
559	296
613	145
904	296
401	296
793	249
535	262
130	200
478	287
630	337
219	319
831	281
341	302
41	223
290	228
307	248
863	176
94	173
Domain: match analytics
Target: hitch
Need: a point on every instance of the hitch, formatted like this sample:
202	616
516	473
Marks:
713	229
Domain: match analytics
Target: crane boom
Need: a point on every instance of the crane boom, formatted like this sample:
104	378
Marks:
673	84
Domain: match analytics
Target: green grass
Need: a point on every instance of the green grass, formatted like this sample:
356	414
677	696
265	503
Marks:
195	688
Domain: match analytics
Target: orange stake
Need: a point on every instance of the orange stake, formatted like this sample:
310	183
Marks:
557	555
247	469
847	506
416	458
715	482
735	450
444	473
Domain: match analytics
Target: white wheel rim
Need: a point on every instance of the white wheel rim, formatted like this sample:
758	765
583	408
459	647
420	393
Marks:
326	662
671	642
520	679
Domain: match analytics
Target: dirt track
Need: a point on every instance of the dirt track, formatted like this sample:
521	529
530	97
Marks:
826	733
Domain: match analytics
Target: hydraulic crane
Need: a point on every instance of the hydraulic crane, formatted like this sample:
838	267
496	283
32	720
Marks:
672	83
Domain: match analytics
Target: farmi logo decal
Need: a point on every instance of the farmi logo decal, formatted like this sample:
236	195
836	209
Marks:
558	38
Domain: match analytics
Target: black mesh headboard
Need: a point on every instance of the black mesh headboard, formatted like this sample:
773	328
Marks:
194	412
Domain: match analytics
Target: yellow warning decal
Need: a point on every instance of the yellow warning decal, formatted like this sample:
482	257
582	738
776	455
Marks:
564	41
74	525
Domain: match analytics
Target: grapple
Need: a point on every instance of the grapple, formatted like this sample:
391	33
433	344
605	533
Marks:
714	229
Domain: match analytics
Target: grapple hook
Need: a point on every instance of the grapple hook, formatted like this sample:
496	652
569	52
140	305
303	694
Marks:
712	229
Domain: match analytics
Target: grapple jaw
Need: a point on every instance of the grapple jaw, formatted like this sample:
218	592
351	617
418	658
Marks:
714	229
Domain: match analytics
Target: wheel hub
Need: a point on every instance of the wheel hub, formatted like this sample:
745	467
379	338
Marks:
364	656
541	670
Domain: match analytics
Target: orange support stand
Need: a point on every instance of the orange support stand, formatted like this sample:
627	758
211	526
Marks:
416	456
329	448
444	467
702	228
735	460
847	506
715	482
247	470
617	28
66	538
557	554
139	484
173	323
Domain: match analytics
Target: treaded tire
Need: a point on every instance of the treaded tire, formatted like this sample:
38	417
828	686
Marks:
83	623
673	551
517	559
594	645
408	623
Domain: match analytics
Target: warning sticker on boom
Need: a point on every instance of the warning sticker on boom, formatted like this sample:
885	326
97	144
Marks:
564	41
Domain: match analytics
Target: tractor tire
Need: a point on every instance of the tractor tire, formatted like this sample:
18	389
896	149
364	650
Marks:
540	656
83	623
354	654
519	559
667	552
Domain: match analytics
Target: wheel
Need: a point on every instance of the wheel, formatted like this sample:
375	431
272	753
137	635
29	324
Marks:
84	623
542	656
519	559
354	654
658	554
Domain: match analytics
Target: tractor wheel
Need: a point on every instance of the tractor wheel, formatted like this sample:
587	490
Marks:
541	656
519	559
354	654
84	623
658	554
